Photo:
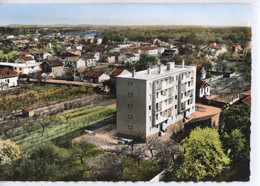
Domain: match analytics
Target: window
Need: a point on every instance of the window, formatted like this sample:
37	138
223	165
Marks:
20	68
130	94
175	106
130	83
157	95
175	96
181	95
150	107
161	93
176	78
130	116
130	126
189	84
156	116
130	105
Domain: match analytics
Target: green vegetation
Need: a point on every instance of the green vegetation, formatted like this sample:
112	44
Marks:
51	163
9	151
34	95
58	126
204	157
235	137
111	36
29	36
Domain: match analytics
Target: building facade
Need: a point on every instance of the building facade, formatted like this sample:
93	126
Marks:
149	101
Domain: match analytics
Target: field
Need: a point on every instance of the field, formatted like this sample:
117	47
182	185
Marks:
65	126
38	95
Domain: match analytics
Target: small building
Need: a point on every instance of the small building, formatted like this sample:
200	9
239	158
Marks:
117	72
127	58
201	73
97	77
55	67
8	78
74	62
22	68
27	112
108	57
90	60
211	48
151	50
25	59
40	54
202	89
236	48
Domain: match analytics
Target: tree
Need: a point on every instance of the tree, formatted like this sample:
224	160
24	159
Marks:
80	149
9	151
151	144
204	156
146	61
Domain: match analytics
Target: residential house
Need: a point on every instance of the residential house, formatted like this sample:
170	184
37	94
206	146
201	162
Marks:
117	72
97	77
40	54
77	47
113	48
96	55
107	57
8	78
90	60
149	101
74	62
25	59
127	58
201	73
33	44
98	40
211	48
151	50
202	89
100	48
237	48
22	68
244	98
53	67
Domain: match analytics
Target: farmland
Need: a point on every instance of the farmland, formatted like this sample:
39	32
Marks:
62	126
38	95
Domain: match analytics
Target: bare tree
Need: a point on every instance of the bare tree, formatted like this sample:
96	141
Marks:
151	145
139	153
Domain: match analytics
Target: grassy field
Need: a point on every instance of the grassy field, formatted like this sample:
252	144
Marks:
67	125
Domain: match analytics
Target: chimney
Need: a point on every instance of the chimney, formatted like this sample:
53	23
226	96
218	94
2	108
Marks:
133	73
183	63
148	70
160	69
170	66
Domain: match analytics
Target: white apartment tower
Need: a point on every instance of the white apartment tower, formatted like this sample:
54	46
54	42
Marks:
149	101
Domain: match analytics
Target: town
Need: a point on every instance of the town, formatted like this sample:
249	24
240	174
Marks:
125	104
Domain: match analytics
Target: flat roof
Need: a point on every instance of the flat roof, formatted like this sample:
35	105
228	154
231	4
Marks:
154	72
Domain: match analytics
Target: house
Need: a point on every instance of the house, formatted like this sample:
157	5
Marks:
237	48
244	98
169	52
8	78
74	62
160	50
202	89
27	112
100	48
97	77
127	58
90	60
149	101
211	48
53	67
98	40
40	54
113	48
117	72
25	59
150	50
201	73
108	57
77	47
22	68
96	55
33	44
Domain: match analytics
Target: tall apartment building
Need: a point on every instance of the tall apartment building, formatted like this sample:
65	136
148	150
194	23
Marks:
149	101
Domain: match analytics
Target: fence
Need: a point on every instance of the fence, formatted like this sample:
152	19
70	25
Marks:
218	104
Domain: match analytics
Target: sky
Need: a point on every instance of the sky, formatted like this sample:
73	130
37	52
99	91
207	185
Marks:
226	14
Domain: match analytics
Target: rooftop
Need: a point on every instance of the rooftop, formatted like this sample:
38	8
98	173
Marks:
6	72
154	71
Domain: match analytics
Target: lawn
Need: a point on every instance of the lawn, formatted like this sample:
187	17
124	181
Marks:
67	125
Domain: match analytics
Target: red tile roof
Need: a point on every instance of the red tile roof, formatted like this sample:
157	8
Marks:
23	53
27	58
200	84
6	72
109	54
247	100
94	74
214	45
130	55
247	92
27	109
235	45
55	63
117	72
150	48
